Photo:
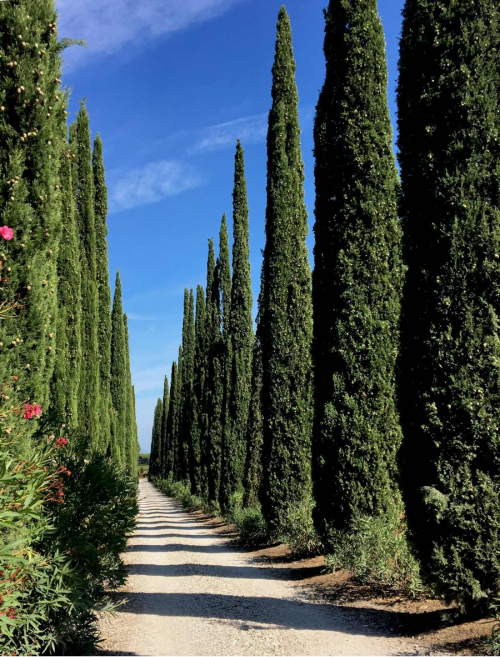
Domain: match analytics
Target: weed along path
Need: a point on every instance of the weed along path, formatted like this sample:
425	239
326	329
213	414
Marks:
190	592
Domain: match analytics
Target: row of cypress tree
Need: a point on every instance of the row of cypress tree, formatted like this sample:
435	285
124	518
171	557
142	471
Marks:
54	198
403	420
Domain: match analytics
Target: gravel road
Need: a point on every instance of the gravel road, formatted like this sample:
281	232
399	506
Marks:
191	593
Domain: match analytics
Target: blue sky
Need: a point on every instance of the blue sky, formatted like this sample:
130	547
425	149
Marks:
170	85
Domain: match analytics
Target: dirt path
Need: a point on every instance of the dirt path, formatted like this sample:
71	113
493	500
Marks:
191	593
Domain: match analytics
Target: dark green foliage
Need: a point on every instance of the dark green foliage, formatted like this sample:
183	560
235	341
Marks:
286	313
255	431
66	383
177	419
358	276
154	463
200	364
89	406
188	349
164	425
170	446
32	138
214	391
240	343
449	119
131	443
212	318
104	293
118	383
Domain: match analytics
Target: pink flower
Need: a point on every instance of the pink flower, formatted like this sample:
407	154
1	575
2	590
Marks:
61	442
6	232
38	409
29	412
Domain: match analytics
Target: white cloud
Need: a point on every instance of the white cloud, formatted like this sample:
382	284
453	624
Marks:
150	183
149	379
250	129
110	25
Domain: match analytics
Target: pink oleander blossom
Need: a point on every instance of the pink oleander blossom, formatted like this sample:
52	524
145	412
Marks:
6	232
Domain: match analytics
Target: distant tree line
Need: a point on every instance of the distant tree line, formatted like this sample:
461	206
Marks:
373	390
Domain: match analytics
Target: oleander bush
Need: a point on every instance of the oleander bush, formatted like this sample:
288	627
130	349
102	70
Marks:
57	566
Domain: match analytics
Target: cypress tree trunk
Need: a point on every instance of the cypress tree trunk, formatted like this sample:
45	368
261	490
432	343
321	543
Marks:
68	338
104	293
89	396
164	429
32	138
170	444
241	342
286	313
358	277
212	322
449	120
200	357
118	375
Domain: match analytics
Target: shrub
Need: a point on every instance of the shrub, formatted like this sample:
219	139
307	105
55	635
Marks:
299	532
251	526
376	550
56	560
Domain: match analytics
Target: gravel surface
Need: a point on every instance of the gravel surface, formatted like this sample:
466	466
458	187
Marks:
191	593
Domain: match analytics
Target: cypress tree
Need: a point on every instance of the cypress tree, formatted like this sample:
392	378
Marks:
32	138
188	347
286	312
358	276
449	120
255	430
200	357
164	430
89	396
130	440
241	342
170	442
103	292
212	321
155	439
177	421
214	388
68	338
118	382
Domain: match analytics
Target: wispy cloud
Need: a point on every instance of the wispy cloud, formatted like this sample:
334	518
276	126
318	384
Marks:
250	129
150	183
149	379
110	25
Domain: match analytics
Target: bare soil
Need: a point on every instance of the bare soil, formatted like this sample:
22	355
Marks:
192	591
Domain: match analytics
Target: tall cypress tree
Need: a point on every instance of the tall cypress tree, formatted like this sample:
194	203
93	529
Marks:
170	441
200	358
164	429
177	420
68	338
358	276
449	120
212	322
103	291
255	431
188	347
118	383
130	439
214	387
155	439
32	138
89	402
286	312
241	342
